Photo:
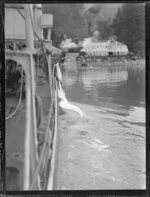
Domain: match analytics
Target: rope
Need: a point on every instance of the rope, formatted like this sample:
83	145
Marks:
44	146
35	34
38	168
20	13
53	86
20	98
52	167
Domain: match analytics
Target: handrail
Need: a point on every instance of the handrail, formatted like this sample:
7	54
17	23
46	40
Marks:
50	185
39	162
35	163
38	168
48	144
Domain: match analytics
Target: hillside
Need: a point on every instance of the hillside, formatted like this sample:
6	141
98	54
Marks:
67	19
127	23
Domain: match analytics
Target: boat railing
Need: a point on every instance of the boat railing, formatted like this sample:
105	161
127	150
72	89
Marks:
45	165
39	158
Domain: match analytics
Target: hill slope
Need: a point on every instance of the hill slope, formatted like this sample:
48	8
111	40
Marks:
67	19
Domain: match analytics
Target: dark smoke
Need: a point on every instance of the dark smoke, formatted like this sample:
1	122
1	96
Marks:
100	17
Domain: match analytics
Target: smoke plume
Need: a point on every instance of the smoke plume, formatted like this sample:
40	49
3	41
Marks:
87	42
100	16
102	12
67	43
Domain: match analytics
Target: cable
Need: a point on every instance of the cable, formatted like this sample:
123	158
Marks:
35	34
52	84
41	41
20	13
20	98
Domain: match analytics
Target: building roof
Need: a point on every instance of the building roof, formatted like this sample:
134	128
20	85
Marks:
106	46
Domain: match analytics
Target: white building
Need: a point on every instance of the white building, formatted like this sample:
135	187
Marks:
108	48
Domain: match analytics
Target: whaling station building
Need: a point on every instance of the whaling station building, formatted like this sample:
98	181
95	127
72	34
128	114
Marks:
107	48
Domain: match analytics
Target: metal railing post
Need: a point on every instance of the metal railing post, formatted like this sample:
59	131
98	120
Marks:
28	27
31	155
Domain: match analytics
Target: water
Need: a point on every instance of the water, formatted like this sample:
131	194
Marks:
118	88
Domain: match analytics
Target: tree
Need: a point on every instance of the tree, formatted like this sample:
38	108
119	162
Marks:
129	25
139	48
67	19
105	29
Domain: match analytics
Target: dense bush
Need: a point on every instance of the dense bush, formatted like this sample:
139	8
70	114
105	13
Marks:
129	26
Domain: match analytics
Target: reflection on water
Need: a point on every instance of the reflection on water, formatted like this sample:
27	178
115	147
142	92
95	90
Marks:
119	92
118	87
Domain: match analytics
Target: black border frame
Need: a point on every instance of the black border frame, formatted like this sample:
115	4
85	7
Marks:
2	120
2	99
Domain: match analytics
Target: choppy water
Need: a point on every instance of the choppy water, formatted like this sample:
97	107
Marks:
119	89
